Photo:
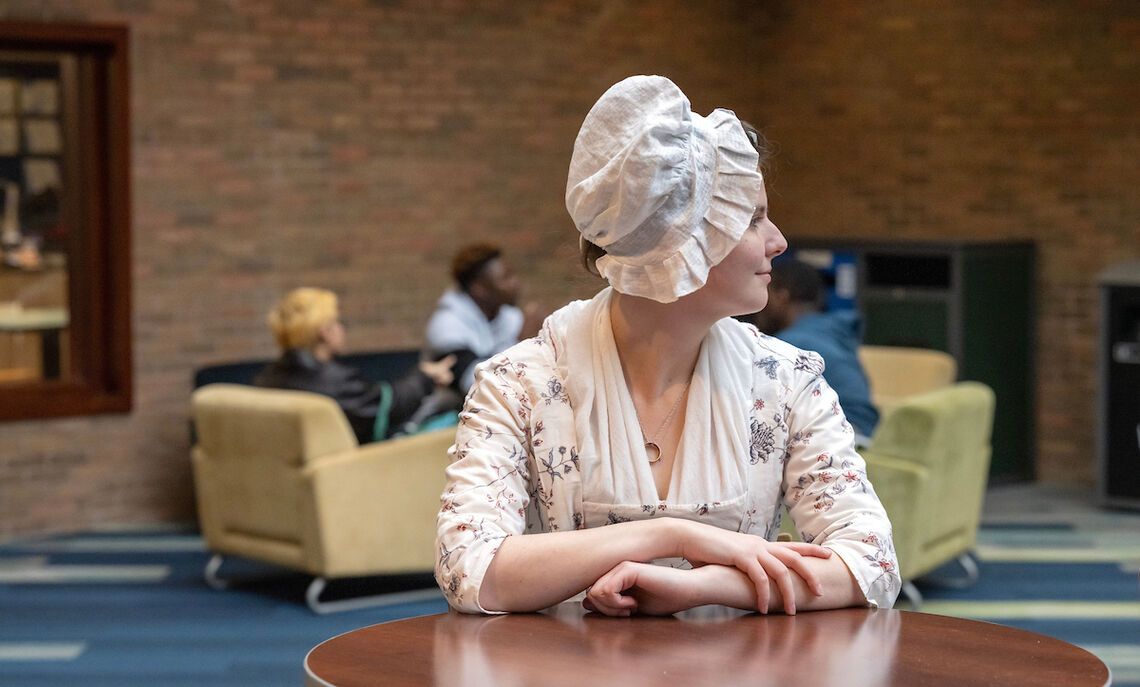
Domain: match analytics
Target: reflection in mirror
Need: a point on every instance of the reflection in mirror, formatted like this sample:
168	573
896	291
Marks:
33	232
65	320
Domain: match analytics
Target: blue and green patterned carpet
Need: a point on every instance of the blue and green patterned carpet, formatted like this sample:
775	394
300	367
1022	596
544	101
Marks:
129	607
1052	563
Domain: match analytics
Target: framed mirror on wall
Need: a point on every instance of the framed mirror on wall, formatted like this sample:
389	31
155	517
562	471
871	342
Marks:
65	267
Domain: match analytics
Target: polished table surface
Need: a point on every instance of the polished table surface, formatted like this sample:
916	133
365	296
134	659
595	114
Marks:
710	646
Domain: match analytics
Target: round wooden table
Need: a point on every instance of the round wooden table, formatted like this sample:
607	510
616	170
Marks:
566	646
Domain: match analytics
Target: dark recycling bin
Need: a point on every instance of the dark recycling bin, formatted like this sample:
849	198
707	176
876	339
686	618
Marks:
1118	417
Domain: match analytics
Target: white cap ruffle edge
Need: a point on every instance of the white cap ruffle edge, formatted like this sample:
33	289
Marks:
653	131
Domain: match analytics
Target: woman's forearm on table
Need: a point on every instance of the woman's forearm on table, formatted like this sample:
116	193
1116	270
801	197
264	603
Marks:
534	571
729	586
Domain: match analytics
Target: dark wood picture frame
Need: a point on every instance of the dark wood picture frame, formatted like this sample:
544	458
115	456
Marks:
96	204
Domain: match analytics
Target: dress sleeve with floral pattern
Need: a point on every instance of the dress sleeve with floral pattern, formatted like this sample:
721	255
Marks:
826	489
489	482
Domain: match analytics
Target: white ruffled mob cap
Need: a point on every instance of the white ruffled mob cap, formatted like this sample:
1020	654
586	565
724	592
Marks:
666	192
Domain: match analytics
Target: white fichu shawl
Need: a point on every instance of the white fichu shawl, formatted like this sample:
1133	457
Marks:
709	474
762	431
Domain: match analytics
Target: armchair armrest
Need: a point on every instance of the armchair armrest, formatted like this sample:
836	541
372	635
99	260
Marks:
928	462
900	485
375	506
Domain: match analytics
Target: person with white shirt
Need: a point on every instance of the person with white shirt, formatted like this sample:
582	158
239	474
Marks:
478	317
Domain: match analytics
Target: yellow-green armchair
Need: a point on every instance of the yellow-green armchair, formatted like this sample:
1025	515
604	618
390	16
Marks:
280	478
898	372
929	463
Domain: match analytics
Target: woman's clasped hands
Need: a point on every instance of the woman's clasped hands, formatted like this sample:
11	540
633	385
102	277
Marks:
729	568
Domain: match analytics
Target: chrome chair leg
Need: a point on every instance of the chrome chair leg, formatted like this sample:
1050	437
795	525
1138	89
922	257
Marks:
317	587
912	595
313	594
211	572
970	567
313	598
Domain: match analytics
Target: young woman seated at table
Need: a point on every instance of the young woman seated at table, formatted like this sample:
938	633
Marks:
644	445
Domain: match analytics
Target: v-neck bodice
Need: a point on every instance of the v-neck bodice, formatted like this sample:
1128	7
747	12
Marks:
708	456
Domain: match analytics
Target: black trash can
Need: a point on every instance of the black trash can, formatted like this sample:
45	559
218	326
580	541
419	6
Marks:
1118	416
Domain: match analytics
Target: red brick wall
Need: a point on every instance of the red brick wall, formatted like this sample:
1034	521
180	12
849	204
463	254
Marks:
354	144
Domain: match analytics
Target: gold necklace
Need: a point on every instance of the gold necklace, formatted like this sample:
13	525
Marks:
652	450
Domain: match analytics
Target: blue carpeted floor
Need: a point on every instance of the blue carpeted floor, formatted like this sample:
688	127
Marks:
1051	563
130	608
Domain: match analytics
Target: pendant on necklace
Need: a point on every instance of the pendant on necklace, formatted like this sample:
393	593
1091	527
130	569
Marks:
652	451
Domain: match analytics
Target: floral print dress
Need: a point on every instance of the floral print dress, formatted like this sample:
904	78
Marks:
549	440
